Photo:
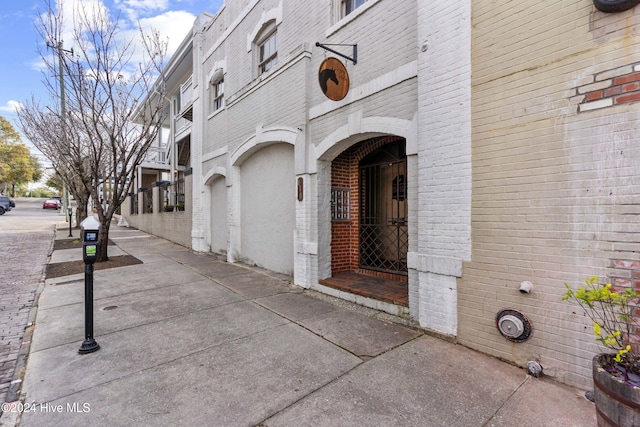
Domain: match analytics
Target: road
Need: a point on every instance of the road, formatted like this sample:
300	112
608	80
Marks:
26	238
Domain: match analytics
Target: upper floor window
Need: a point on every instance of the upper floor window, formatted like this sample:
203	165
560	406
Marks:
218	95
216	86
349	6
268	52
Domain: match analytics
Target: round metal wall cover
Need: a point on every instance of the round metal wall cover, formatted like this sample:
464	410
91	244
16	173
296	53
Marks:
513	325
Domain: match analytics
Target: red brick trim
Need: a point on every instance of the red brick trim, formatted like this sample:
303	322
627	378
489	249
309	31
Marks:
633	77
607	92
383	275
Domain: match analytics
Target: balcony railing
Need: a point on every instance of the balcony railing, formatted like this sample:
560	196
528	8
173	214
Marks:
184	117
186	94
156	155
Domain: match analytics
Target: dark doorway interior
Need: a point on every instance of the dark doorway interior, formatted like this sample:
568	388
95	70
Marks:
369	210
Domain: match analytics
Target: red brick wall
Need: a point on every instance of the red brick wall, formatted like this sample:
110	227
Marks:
628	276
607	91
344	174
344	234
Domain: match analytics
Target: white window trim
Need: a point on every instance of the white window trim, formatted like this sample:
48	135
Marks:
348	18
214	76
274	14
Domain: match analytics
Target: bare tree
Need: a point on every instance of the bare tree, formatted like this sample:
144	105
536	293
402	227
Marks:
109	81
44	128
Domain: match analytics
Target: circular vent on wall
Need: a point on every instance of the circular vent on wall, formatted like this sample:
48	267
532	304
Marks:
513	325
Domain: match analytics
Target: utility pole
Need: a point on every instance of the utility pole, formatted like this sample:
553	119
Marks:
63	112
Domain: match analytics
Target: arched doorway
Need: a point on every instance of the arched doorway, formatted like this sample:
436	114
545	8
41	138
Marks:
369	220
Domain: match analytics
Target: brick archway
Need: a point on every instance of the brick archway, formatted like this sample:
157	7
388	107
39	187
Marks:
346	210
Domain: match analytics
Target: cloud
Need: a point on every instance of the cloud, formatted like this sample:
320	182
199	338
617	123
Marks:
38	65
135	9
90	10
12	106
174	25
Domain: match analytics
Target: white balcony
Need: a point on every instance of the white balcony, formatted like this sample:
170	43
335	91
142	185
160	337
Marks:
156	158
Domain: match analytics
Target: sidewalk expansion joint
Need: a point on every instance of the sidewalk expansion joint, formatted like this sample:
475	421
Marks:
504	402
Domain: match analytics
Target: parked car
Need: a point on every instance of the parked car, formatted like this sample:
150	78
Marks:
6	204
51	204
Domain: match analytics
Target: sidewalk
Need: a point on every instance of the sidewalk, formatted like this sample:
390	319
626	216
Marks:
188	339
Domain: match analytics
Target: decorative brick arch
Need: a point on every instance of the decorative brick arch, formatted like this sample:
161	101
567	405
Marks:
262	139
359	129
212	175
273	15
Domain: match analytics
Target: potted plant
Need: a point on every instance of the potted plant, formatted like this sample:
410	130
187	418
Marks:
616	375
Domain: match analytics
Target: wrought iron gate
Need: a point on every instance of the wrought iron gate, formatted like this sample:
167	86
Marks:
383	233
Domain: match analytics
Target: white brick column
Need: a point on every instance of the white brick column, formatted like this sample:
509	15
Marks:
306	243
444	162
233	215
323	215
198	240
306	247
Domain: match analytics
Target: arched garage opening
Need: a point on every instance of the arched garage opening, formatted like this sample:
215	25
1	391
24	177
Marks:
267	207
218	214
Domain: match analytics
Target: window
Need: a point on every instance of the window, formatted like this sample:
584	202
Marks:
217	95
268	53
349	6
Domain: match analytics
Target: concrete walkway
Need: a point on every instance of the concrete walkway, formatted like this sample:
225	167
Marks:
188	339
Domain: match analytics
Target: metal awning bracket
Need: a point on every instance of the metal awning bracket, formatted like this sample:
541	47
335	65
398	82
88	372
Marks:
353	58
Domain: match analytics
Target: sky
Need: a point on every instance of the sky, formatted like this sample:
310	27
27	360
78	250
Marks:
21	72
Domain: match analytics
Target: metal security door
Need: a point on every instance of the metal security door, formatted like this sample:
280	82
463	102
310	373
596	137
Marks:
383	234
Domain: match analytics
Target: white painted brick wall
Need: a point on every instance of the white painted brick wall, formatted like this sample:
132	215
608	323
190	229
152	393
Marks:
444	161
444	129
173	226
438	302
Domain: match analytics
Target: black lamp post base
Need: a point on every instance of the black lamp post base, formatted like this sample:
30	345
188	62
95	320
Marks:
89	346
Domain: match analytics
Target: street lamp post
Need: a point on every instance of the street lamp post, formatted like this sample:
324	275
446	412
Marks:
70	209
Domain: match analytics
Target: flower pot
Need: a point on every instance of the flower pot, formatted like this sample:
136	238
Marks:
617	402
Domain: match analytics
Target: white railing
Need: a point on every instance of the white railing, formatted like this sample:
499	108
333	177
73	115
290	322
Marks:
186	101
156	155
181	124
186	94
